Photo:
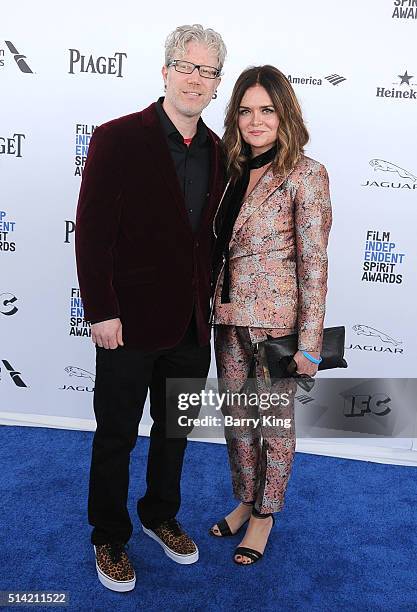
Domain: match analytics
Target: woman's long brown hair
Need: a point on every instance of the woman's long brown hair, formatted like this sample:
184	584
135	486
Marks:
292	134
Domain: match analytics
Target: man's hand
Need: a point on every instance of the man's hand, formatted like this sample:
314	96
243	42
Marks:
107	334
304	365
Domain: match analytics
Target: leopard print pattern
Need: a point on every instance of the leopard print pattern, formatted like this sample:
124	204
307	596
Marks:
176	539
121	571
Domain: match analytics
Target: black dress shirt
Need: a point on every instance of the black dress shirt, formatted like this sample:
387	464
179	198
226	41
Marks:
192	164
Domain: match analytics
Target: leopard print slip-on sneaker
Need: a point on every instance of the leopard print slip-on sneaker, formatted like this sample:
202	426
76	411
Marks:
114	568
177	545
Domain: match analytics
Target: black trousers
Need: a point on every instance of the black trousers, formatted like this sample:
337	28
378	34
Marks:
123	377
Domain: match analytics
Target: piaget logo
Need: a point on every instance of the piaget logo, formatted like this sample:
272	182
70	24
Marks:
69	230
112	65
12	145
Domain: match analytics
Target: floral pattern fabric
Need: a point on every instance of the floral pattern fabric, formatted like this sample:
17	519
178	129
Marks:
260	456
278	258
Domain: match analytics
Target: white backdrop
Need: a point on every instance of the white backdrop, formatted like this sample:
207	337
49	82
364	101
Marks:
362	120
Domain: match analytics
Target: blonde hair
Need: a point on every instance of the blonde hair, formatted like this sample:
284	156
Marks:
176	42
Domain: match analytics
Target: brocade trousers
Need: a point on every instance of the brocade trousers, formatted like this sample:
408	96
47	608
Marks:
260	453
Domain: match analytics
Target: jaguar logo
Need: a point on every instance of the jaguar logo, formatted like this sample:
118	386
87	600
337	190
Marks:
386	166
79	373
365	330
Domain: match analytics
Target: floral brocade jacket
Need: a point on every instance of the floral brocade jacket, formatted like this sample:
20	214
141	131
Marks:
278	255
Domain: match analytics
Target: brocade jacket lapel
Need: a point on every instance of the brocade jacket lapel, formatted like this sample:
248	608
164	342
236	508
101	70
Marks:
266	185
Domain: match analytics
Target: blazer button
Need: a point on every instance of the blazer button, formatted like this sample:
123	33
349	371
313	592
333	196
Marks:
197	244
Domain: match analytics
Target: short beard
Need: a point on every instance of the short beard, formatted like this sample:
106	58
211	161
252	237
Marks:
185	110
188	112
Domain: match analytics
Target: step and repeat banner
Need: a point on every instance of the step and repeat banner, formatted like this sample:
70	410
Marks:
354	69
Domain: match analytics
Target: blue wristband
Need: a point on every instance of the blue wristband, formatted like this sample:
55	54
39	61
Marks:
311	358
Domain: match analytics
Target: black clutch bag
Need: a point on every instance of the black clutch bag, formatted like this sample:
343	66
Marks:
280	351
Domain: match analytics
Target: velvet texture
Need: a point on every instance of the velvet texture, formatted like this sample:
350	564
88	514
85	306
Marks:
137	257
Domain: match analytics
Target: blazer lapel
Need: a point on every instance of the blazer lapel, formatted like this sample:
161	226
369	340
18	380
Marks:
156	142
215	182
266	185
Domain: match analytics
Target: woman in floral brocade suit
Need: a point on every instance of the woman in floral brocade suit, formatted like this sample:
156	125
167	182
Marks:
272	231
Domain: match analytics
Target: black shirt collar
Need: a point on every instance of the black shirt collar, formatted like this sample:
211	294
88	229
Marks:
170	129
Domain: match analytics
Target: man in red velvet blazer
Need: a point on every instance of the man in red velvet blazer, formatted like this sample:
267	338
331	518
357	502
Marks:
150	188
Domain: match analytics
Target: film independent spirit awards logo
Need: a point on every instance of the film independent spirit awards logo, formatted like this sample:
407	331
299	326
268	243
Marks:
403	88
20	60
390	176
78	326
405	9
376	341
382	260
7	228
81	380
83	133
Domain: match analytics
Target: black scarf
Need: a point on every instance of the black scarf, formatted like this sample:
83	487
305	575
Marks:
231	205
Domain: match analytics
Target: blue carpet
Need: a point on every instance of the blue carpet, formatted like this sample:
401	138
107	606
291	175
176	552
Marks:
346	539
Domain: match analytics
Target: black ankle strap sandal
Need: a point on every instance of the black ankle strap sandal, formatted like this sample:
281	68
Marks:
251	553
257	514
224	528
225	531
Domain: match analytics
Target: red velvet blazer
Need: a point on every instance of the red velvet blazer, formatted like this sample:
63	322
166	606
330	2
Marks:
137	257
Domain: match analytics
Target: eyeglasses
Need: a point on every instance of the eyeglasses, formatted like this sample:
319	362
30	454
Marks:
208	72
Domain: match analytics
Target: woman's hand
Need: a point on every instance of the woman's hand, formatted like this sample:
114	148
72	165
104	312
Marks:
304	365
